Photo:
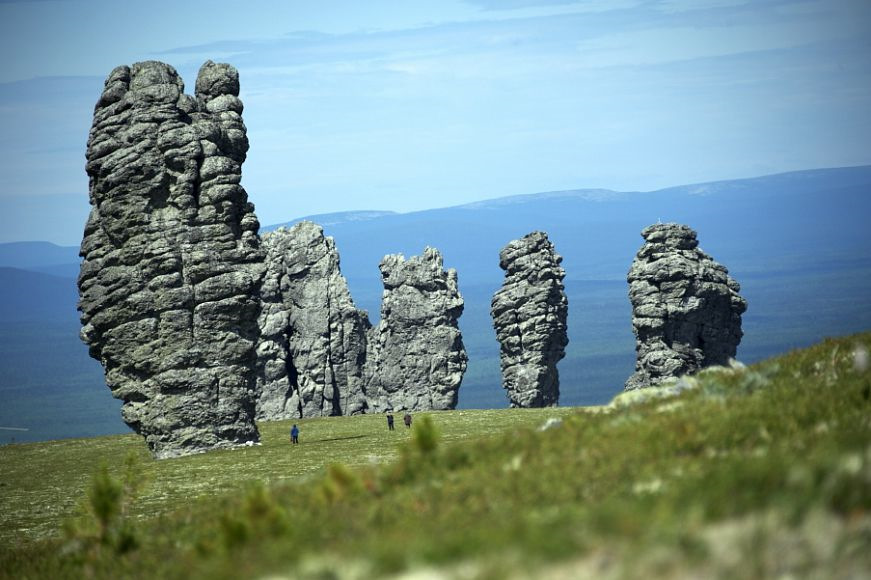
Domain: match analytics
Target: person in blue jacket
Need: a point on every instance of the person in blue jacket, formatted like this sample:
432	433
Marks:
294	434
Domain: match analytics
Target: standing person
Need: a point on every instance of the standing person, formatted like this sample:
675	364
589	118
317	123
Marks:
390	420
407	419
294	434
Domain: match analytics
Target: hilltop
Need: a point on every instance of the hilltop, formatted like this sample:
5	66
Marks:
747	472
796	242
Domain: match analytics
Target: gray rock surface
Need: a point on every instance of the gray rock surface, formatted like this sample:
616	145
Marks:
169	282
529	314
313	339
416	358
686	310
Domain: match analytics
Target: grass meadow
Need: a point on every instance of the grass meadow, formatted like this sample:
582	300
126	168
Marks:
747	472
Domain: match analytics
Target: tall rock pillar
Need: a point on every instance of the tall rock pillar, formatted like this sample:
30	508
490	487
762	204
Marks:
686	310
169	281
529	314
313	339
416	358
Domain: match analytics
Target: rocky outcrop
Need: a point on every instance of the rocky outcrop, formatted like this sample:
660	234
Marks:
169	282
529	314
686	310
416	358
313	339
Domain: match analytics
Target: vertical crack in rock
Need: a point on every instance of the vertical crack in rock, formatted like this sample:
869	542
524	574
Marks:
529	314
313	338
686	310
169	280
416	358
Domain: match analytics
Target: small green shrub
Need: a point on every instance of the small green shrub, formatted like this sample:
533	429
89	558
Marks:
104	499
103	521
235	531
425	436
754	472
417	456
339	483
258	515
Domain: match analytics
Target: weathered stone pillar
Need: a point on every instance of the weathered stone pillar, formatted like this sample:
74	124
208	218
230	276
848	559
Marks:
169	282
686	310
416	357
529	314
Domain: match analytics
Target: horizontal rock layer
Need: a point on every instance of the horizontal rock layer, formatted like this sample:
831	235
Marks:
529	314
169	282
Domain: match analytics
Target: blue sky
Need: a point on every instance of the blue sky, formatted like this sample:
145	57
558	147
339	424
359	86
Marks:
408	105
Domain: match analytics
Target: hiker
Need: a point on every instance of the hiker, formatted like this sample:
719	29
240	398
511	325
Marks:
407	419
390	420
294	434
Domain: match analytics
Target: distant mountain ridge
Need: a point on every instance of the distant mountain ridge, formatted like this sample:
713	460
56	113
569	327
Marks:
332	219
35	296
37	255
31	255
798	243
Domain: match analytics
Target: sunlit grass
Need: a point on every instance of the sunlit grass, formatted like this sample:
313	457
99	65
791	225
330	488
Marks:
758	472
40	483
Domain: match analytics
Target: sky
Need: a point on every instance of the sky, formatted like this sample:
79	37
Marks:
407	105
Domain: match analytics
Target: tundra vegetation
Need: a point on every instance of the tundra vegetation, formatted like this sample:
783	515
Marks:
757	471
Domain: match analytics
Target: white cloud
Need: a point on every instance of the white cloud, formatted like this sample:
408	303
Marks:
539	7
490	102
670	44
675	6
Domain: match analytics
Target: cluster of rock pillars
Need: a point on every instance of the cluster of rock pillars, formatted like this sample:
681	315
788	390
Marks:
203	326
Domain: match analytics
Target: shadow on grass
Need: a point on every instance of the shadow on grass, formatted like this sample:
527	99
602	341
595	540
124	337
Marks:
336	439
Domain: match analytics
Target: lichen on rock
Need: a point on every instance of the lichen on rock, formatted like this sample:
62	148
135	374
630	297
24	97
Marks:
529	315
169	281
313	339
416	358
686	310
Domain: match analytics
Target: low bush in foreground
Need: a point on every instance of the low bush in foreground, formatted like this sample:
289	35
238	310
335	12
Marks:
742	472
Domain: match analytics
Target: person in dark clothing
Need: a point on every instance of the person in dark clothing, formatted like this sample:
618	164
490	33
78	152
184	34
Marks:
390	421
294	435
407	419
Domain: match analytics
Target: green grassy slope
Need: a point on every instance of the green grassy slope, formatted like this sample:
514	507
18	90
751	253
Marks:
756	472
41	483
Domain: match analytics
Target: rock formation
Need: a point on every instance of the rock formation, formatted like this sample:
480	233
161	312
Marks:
313	339
416	358
686	311
169	283
529	314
